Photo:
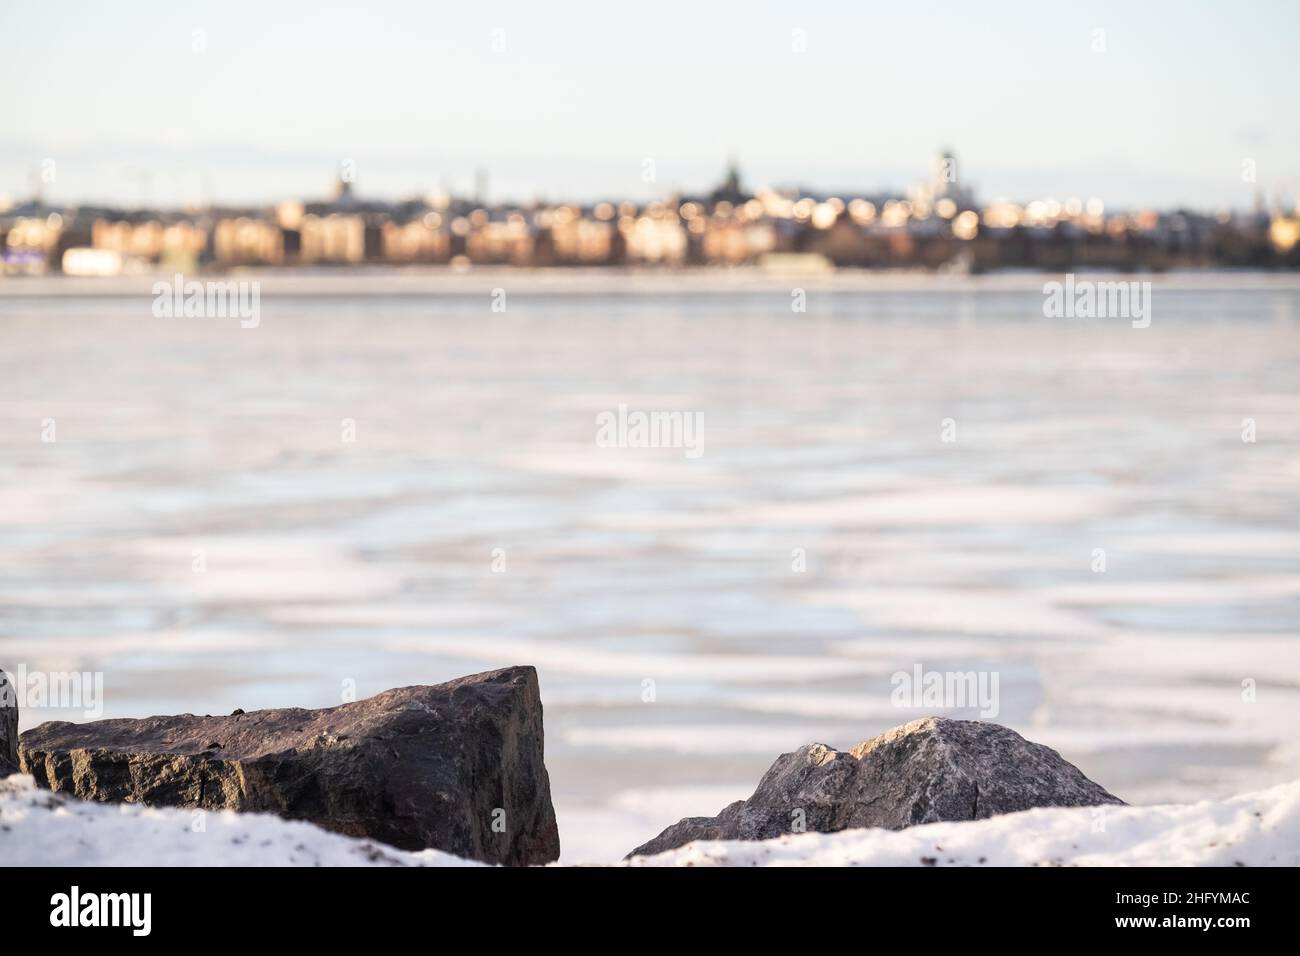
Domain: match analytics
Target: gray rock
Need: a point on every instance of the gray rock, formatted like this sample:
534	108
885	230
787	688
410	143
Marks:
458	766
923	772
8	726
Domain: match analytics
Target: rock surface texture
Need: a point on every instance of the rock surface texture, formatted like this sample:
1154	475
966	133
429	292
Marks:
456	766
927	771
8	725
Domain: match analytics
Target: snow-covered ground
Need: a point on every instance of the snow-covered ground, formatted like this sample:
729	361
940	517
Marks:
1257	829
39	828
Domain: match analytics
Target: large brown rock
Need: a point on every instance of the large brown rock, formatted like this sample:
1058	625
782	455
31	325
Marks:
457	766
923	772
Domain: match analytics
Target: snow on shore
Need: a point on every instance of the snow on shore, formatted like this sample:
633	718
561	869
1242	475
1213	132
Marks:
39	828
1257	829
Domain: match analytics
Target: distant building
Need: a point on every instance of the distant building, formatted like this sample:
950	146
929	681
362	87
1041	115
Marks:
333	239
425	240
573	239
32	243
246	240
151	240
937	224
945	186
505	241
654	236
730	189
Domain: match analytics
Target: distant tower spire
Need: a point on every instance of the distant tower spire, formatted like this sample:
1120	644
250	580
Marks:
343	188
732	182
730	189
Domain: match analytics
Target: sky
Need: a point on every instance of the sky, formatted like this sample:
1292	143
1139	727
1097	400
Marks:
1140	104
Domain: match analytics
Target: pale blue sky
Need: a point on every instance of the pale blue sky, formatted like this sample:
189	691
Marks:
583	93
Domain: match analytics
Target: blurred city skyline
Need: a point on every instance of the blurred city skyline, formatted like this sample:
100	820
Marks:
153	105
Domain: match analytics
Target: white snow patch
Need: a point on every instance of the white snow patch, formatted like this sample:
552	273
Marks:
1257	829
40	828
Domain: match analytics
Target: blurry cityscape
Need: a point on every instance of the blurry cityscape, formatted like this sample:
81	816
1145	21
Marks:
938	223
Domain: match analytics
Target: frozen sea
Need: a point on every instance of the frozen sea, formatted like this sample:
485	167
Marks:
202	531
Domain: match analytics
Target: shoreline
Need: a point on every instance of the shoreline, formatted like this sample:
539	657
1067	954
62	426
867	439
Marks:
747	280
1250	829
